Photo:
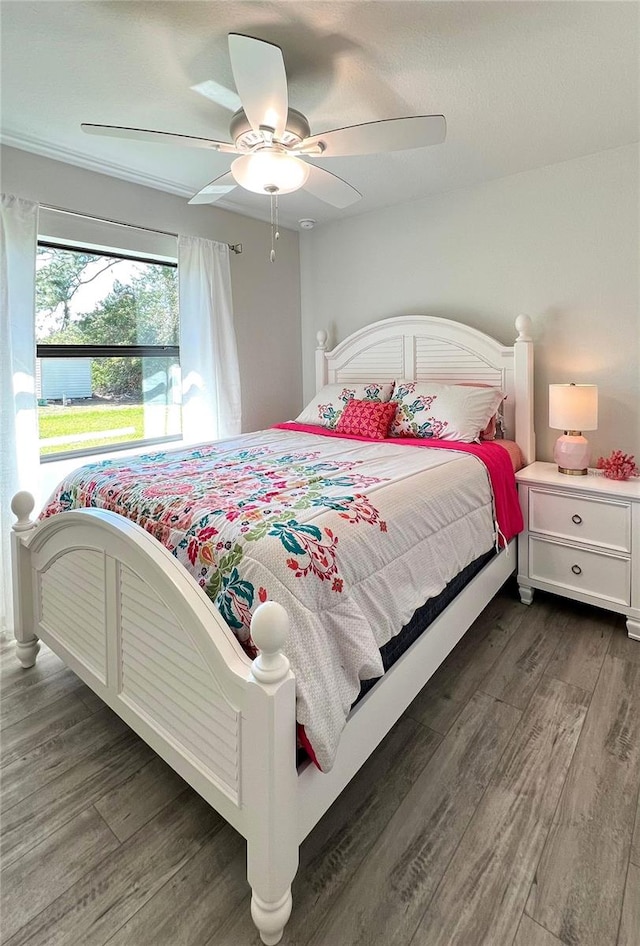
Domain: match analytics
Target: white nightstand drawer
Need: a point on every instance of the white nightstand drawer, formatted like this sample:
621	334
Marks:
571	567
595	521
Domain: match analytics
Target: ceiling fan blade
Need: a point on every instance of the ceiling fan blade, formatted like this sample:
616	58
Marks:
215	189
392	134
330	188
161	137
219	94
261	81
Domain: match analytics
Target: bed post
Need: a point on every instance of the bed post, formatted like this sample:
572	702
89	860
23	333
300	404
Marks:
523	381
27	644
270	775
322	374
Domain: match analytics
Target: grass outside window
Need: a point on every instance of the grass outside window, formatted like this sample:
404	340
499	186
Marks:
57	422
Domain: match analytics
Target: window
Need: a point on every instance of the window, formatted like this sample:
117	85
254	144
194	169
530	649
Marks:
108	359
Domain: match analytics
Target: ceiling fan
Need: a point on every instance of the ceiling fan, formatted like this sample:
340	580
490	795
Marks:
273	140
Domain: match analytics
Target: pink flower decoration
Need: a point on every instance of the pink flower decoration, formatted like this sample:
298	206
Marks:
158	490
618	466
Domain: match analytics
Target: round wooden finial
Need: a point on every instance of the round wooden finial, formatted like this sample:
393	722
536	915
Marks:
270	627
321	338
269	630
22	506
523	325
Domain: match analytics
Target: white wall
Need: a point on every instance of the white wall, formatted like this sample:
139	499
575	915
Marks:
559	243
266	295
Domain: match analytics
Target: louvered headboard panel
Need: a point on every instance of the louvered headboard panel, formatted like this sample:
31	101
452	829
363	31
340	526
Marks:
436	360
382	361
423	348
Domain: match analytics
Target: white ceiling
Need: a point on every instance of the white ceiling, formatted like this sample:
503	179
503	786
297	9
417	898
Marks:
522	85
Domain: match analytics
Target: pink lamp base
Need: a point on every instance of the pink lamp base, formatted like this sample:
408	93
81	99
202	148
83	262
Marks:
571	453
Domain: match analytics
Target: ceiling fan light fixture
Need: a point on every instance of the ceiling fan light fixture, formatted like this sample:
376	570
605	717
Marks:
267	172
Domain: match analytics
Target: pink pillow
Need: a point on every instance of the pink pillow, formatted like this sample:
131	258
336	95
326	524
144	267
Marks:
366	419
514	451
489	432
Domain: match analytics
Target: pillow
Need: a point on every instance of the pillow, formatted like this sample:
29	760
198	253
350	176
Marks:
489	432
327	406
514	451
444	411
366	419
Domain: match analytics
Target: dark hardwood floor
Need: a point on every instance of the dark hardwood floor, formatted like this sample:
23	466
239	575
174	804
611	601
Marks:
501	810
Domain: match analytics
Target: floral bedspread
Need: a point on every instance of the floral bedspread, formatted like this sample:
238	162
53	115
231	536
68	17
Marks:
350	537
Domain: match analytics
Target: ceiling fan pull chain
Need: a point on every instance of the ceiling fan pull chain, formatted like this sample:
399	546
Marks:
277	227
272	254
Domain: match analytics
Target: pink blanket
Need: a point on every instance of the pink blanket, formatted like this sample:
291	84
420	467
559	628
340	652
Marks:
496	460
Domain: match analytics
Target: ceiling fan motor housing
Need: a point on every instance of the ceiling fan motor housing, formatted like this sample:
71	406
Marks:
245	138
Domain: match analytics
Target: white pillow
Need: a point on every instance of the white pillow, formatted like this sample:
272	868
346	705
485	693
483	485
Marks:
443	411
328	404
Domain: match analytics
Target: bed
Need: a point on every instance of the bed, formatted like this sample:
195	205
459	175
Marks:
102	592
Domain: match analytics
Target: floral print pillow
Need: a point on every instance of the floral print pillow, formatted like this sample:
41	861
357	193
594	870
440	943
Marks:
328	404
443	411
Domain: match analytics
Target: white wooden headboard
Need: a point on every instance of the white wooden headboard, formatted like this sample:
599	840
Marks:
423	348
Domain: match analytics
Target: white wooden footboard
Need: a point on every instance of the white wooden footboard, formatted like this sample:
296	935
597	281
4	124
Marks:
128	618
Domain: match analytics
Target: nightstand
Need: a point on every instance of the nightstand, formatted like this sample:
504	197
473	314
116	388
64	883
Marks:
581	539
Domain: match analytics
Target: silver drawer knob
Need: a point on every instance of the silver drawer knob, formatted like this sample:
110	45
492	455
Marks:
576	569
577	519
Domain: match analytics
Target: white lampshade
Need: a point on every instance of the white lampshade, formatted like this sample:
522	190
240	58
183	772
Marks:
264	172
573	406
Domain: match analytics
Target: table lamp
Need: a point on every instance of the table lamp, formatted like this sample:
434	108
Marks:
573	408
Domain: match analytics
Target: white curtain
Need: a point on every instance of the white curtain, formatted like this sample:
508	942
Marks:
208	351
19	457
